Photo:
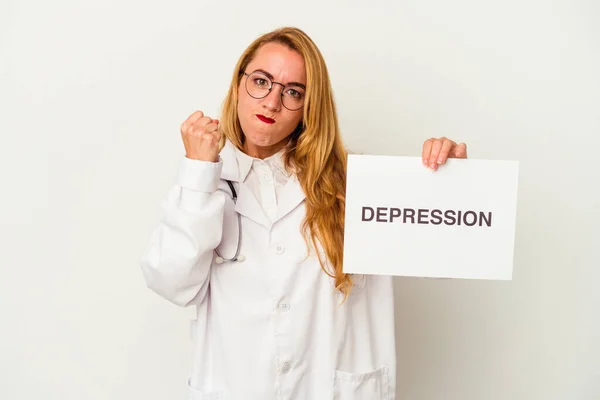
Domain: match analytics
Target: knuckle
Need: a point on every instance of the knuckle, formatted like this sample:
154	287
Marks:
198	132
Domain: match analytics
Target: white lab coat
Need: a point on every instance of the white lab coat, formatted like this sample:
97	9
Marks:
270	327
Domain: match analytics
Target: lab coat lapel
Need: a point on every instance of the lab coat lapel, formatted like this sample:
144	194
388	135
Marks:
248	206
292	196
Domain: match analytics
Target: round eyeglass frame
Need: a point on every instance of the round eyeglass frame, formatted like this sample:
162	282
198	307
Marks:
269	91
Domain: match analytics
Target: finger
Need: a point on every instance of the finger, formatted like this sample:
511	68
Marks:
200	124
427	151
446	147
196	115
435	152
216	130
460	151
211	128
210	137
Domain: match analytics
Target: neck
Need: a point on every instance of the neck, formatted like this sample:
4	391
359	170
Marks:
263	152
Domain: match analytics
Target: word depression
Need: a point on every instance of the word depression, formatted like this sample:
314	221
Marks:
426	216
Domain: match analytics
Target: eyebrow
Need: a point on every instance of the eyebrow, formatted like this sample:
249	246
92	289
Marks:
287	84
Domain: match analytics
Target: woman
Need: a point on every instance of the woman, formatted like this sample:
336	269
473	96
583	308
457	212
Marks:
282	321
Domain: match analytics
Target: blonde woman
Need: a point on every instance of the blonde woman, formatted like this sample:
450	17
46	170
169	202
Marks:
252	236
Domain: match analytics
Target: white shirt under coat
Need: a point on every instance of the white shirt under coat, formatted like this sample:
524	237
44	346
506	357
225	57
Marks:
271	327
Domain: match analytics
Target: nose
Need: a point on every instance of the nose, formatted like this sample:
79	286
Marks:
273	100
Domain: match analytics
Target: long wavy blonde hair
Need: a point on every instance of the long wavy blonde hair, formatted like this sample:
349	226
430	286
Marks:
315	150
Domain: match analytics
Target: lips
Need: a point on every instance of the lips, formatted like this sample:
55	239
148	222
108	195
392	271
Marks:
264	119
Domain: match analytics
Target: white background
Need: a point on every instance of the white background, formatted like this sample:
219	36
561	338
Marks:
92	94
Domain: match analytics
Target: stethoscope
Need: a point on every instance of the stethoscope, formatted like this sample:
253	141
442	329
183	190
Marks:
237	257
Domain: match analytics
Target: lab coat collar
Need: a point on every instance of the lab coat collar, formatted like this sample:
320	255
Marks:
277	160
230	170
236	169
245	163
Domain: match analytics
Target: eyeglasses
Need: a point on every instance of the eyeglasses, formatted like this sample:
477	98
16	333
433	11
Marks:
259	85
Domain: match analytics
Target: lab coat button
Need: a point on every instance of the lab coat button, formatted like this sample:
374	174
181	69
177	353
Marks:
285	367
284	307
280	249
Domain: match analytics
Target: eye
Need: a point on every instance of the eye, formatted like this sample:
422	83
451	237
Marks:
294	93
262	82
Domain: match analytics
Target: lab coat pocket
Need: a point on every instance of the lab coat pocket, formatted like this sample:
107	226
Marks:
202	395
372	385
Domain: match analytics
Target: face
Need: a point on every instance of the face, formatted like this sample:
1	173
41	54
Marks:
266	123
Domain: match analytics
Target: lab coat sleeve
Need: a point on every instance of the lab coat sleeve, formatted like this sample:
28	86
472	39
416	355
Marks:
177	263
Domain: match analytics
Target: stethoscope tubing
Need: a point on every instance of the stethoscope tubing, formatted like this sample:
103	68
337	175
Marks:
236	257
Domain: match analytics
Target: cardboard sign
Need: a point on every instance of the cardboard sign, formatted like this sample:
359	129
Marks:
405	219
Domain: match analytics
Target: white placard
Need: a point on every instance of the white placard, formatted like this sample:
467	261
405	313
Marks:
456	222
